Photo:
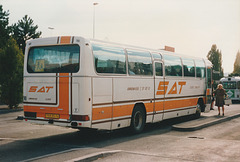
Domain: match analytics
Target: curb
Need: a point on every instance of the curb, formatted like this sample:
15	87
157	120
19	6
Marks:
94	156
6	110
204	125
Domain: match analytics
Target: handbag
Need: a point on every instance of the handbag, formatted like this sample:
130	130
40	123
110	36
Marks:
227	101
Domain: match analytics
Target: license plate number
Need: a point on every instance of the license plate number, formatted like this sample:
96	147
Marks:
52	116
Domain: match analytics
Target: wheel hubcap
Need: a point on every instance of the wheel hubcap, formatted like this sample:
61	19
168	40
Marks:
138	120
198	108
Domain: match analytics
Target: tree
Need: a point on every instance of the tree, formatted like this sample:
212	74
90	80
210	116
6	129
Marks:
24	30
215	56
11	57
11	74
236	70
4	28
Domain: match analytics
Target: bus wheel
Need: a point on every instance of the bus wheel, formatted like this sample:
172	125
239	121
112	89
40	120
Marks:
138	119
198	111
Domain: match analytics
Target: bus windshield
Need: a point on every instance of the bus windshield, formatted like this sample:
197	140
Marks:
54	59
229	85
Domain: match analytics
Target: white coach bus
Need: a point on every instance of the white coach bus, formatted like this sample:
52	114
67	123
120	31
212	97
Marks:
81	83
232	87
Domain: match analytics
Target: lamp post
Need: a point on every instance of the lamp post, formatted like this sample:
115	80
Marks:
51	28
94	4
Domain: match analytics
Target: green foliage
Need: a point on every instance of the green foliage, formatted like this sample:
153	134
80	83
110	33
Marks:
24	30
11	68
236	70
11	57
4	28
215	56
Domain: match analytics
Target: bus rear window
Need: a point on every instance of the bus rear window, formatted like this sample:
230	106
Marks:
54	59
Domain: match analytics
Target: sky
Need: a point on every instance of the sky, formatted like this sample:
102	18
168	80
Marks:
190	26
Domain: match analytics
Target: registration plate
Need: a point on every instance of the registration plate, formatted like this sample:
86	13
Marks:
52	116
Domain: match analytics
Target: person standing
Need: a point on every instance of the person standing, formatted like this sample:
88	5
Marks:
219	94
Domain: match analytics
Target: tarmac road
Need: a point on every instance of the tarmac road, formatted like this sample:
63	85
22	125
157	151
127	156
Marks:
20	141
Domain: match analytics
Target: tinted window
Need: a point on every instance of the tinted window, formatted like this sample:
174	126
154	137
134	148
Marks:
109	59
54	59
139	63
173	65
200	68
188	67
158	69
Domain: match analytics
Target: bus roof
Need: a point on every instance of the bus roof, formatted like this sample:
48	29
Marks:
237	78
162	51
50	40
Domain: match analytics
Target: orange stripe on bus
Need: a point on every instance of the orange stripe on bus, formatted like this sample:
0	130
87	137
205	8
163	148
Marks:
123	110
159	106
149	107
65	40
180	103
116	111
64	92
101	113
126	110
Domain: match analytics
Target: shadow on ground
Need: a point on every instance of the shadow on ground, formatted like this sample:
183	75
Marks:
19	150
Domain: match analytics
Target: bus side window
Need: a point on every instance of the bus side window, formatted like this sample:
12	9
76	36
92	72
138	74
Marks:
158	69
200	69
109	59
188	67
173	65
139	63
238	84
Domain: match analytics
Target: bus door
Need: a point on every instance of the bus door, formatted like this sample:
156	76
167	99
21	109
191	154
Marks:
159	94
208	89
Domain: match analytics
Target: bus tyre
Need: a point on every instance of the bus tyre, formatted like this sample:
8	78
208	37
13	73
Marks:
198	111
138	119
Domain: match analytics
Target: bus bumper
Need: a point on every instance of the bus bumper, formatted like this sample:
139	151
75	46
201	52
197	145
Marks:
63	123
